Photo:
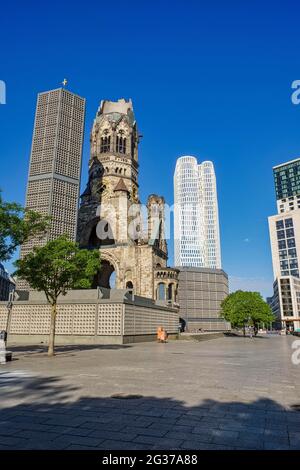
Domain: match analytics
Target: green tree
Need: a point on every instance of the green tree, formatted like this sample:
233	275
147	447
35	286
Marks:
242	307
17	225
54	269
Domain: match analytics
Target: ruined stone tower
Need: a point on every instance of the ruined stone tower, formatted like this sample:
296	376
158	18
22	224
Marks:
111	218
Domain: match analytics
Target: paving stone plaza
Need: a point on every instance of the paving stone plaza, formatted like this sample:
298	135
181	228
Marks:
226	393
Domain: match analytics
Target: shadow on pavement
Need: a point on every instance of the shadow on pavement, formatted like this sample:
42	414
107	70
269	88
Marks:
240	335
43	348
51	418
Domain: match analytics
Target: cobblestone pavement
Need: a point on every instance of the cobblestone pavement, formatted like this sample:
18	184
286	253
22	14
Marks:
227	393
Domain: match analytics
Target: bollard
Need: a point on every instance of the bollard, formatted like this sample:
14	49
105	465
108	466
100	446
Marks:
2	351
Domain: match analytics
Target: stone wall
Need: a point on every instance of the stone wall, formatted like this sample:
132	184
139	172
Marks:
94	321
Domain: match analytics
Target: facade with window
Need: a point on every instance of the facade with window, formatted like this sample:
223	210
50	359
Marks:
196	218
284	231
55	165
285	302
6	283
287	185
285	243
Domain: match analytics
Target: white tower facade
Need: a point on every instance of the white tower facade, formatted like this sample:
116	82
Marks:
196	217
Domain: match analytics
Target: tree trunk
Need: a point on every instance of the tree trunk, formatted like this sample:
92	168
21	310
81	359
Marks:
244	330
52	331
8	324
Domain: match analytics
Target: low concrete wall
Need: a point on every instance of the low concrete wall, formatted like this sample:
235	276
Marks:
63	340
146	338
88	320
201	336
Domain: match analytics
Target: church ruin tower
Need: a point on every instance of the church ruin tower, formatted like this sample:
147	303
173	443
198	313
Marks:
114	142
113	168
110	207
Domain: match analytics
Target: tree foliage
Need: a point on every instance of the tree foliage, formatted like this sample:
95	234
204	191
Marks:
17	225
243	307
55	268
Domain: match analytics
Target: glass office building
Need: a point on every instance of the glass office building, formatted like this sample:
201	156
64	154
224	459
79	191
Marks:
284	229
196	219
287	185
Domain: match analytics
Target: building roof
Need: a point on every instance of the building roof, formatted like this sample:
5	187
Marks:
121	186
192	269
121	106
286	163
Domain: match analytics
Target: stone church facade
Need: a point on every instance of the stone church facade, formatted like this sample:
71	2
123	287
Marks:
130	237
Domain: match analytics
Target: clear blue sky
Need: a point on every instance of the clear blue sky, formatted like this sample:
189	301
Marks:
210	79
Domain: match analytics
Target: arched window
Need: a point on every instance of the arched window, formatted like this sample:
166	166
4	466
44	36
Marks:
120	144
170	291
106	276
161	293
123	146
105	144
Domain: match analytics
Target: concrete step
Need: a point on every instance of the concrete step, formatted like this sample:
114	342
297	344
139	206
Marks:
201	336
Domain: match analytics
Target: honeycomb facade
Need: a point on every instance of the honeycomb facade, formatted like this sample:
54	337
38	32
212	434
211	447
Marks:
55	164
84	317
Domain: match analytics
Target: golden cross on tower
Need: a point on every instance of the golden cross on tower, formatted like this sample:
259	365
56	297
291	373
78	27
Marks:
64	82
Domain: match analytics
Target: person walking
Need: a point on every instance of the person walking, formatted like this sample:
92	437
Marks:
2	352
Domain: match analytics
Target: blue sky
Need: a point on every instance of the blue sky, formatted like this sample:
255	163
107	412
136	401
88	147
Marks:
210	79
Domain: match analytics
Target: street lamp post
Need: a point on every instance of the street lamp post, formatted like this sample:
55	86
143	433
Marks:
9	306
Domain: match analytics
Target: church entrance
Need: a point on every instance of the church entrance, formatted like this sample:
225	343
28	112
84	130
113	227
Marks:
106	277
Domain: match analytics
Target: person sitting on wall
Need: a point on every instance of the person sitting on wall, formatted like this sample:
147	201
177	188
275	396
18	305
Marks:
162	335
159	334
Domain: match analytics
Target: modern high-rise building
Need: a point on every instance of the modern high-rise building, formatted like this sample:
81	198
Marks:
284	229
196	219
285	243
55	164
287	185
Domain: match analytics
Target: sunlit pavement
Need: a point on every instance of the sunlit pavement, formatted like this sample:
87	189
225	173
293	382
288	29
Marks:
227	393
